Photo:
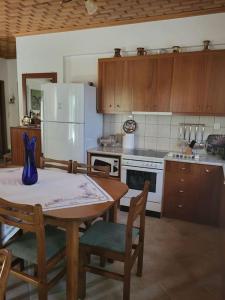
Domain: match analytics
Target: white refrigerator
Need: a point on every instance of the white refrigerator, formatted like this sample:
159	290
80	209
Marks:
69	122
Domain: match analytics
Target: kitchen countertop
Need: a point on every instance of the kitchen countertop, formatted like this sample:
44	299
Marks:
204	158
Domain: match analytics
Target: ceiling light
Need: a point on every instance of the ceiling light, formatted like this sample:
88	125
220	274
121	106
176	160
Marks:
90	6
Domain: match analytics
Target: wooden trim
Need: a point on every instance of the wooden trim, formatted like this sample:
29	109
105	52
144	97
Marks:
3	129
125	22
25	76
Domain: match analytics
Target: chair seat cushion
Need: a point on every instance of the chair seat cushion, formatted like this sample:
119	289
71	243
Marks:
110	236
25	246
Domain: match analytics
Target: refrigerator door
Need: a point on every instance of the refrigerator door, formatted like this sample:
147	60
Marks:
63	103
63	141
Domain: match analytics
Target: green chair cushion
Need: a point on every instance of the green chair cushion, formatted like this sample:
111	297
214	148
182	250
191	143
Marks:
25	246
110	236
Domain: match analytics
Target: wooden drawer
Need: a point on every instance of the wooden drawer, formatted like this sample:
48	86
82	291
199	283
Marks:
179	168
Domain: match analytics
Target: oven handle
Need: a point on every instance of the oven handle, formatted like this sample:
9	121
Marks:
141	169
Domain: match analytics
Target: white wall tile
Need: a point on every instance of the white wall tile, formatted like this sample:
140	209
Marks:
163	144
150	143
116	128
191	119
140	129
151	130
163	131
176	120
164	120
107	118
116	118
220	120
125	117
139	141
208	121
151	119
160	132
139	118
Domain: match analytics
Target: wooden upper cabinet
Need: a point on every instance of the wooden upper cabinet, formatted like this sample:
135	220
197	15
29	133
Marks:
198	83
115	94
135	84
142	76
215	79
188	83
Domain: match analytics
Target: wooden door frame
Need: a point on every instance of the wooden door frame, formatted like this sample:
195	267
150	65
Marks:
3	127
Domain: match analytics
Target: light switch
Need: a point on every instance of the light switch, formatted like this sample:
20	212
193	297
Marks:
216	126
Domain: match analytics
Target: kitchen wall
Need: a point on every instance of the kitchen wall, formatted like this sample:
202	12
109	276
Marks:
160	132
73	55
8	73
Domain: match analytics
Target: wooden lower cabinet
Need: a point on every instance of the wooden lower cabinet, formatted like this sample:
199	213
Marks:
191	192
17	146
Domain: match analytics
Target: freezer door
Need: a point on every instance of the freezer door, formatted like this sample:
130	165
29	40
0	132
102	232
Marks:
63	103
63	141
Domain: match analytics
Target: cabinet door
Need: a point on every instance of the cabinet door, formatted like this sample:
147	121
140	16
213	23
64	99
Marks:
188	84
161	81
142	78
207	207
107	77
123	87
215	87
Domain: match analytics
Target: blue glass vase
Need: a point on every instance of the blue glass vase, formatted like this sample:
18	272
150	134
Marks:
30	175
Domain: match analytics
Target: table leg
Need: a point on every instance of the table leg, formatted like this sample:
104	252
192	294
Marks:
72	249
113	213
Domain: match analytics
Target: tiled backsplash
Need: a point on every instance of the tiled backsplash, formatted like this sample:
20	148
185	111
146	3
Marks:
160	132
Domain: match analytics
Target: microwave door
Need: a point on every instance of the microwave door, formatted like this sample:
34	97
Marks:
99	162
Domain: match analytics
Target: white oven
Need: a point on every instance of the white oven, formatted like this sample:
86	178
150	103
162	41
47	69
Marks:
134	172
106	160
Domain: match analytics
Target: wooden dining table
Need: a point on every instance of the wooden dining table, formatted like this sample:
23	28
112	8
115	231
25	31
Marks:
72	217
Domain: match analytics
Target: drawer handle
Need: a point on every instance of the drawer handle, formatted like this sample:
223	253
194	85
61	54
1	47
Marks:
181	191
179	205
183	169
207	170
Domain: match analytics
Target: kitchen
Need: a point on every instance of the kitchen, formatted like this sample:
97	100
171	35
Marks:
76	60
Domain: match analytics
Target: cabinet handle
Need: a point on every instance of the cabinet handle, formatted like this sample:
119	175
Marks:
182	180
117	105
207	170
181	191
180	205
110	105
183	169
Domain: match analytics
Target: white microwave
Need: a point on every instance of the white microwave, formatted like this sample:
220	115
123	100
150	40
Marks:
106	160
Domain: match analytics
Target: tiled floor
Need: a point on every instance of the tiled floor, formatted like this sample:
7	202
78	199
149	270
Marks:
182	261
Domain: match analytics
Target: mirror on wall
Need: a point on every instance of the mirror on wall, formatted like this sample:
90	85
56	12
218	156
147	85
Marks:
32	83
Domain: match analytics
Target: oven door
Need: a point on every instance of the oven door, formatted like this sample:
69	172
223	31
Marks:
135	177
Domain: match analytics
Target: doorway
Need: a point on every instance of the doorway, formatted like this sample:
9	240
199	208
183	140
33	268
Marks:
3	130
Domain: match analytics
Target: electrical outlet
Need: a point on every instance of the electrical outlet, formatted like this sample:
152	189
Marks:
216	126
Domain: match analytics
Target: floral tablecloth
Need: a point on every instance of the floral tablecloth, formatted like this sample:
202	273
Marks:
54	190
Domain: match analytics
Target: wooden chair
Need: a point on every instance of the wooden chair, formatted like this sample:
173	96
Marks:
56	164
100	171
5	263
115	241
42	246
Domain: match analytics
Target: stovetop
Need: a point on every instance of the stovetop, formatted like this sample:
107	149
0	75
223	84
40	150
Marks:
148	153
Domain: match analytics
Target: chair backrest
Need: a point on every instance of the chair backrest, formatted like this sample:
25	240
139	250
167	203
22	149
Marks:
137	209
28	218
56	164
101	171
5	264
